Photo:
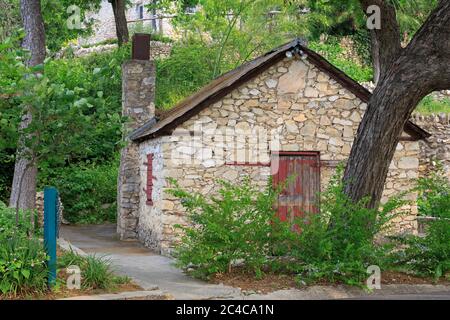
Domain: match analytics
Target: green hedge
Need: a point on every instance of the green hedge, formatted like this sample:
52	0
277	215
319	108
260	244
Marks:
88	191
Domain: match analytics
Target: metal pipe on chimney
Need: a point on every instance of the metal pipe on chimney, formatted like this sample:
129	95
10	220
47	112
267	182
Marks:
140	49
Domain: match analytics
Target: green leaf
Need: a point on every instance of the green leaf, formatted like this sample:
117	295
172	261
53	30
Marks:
26	273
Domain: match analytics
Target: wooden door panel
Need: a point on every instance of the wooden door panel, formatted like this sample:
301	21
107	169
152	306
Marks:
301	173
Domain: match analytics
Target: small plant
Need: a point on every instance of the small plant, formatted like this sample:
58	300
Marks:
230	227
23	267
96	271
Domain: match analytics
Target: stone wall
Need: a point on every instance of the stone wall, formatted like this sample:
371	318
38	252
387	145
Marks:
40	209
437	147
158	50
292	106
437	95
138	94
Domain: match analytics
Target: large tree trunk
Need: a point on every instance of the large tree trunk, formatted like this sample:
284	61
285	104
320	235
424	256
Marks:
375	51
120	20
407	76
23	193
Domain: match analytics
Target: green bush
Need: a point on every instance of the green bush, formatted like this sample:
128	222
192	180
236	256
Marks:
12	226
23	266
88	191
232	226
238	225
338	243
430	255
434	193
22	259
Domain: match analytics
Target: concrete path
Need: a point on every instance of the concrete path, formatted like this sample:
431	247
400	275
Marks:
152	271
147	269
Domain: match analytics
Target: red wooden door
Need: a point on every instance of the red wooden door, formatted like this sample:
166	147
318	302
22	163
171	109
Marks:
301	173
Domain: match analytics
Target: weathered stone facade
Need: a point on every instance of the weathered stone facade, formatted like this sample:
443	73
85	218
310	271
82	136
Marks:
138	94
292	106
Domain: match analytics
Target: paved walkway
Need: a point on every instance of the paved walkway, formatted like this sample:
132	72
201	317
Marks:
150	270
147	269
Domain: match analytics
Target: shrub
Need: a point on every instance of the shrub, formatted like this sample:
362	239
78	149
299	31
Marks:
434	193
338	243
229	227
88	191
22	259
23	267
12	225
430	255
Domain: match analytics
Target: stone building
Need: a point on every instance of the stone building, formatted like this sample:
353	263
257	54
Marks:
288	112
137	17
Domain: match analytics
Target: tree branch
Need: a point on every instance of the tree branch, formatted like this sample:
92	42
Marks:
431	44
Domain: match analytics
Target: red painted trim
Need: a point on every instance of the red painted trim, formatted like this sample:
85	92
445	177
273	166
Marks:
249	164
150	178
296	153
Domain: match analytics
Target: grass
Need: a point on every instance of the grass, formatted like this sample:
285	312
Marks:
431	106
96	271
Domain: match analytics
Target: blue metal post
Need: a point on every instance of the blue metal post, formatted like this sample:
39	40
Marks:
50	214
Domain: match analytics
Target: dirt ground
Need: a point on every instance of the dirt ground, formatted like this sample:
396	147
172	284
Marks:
274	282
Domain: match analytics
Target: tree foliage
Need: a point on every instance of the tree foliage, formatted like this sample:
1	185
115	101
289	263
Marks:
234	30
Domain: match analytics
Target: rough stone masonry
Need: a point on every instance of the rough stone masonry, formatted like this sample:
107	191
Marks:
138	95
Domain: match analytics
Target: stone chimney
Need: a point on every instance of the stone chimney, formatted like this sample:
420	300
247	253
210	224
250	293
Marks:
138	96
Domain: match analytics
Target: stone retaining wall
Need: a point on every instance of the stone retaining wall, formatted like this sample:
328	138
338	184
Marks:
158	50
437	147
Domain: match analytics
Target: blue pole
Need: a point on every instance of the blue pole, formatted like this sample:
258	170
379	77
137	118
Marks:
50	212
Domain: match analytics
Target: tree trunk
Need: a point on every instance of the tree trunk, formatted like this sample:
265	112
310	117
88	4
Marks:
23	192
120	20
414	72
375	51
